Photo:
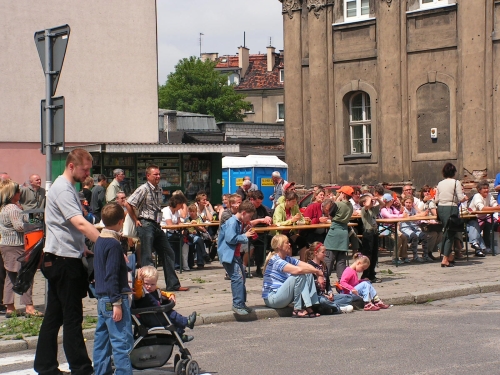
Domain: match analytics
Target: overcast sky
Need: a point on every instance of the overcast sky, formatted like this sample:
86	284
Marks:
222	22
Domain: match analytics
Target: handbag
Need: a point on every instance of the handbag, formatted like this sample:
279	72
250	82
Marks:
129	228
455	222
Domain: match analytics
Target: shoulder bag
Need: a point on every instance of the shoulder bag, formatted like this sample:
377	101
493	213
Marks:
455	222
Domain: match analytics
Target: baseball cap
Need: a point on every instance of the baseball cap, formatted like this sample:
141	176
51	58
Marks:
288	185
346	190
387	197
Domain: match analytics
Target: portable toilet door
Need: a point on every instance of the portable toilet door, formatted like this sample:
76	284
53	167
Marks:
235	168
225	180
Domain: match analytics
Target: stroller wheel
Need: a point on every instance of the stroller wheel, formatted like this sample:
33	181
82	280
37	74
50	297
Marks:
179	367
176	359
192	368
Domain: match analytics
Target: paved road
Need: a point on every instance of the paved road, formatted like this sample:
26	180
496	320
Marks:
455	336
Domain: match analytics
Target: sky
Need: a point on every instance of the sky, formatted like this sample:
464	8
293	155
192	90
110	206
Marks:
222	22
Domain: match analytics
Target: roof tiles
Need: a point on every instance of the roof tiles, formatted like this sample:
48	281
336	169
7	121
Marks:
256	77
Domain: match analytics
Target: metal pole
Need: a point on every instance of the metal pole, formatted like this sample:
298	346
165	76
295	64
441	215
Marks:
48	121
48	110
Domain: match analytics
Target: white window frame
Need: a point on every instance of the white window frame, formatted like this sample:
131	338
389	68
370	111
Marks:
282	75
236	78
434	4
358	16
251	110
278	119
365	123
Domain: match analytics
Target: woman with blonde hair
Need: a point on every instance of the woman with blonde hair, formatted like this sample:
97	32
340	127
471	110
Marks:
288	280
12	246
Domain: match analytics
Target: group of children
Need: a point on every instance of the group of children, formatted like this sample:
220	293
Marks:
113	334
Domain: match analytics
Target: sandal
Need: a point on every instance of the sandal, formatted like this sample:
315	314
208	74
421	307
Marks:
311	313
296	314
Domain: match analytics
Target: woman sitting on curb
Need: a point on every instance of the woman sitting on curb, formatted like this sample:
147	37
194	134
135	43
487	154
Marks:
287	280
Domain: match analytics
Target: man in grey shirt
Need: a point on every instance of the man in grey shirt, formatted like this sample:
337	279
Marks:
98	197
114	187
62	266
33	196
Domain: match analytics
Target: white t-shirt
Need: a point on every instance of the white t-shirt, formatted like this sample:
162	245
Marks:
168	215
478	203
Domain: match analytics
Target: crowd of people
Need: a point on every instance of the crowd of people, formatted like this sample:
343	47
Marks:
296	271
430	220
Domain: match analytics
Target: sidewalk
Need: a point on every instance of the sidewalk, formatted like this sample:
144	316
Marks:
210	294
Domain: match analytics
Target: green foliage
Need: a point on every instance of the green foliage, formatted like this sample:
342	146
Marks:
197	87
199	280
17	327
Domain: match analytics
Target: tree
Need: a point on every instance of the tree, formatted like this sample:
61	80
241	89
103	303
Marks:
195	86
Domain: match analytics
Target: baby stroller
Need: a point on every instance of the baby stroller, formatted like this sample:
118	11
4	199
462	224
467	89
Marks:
153	346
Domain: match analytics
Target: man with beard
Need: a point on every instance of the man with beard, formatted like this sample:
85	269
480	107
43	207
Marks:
62	266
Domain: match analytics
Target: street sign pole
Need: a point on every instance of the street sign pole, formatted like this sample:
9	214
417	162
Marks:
48	111
51	45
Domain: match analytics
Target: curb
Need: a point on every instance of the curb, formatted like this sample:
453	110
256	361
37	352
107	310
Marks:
8	346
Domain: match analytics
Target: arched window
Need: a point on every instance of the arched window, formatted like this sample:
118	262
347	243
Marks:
360	123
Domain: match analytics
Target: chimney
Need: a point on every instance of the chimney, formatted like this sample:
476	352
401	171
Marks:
243	60
271	58
171	120
212	56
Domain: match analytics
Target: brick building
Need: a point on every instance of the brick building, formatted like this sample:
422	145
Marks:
391	89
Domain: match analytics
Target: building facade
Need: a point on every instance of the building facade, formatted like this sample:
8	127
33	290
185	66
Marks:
109	77
390	90
260	77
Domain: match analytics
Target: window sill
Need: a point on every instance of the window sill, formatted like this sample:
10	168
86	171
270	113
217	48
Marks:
357	156
354	23
280	120
249	113
430	10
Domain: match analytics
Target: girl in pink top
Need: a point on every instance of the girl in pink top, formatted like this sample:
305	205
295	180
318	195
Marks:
363	288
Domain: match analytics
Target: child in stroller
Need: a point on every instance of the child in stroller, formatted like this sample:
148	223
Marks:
158	328
146	294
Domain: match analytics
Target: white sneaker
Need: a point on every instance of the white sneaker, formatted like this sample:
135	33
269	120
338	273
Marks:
347	309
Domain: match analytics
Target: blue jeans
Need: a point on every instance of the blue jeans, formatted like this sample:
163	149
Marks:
474	233
295	289
237	276
342	299
113	338
325	302
199	247
152	236
366	291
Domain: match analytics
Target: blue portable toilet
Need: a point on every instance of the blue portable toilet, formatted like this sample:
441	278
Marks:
258	167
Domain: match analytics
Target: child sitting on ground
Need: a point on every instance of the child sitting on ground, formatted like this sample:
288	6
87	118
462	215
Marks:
350	283
146	294
113	334
336	304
